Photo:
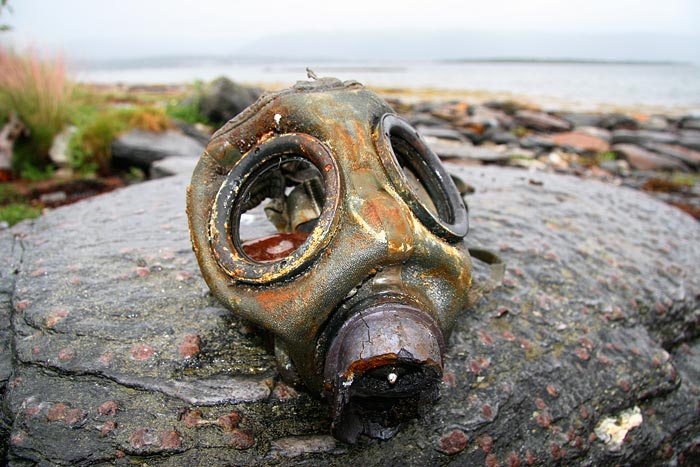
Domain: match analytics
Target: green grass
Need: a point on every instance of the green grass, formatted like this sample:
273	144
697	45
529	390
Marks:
187	109
38	90
14	212
90	147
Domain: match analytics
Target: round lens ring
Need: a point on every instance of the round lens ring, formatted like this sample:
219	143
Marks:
293	181
421	179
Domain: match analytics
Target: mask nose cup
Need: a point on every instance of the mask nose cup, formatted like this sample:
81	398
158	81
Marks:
384	366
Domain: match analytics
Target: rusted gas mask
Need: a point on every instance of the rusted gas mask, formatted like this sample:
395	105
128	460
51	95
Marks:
322	217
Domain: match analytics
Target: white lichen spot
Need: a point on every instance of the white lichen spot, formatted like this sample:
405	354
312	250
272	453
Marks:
612	430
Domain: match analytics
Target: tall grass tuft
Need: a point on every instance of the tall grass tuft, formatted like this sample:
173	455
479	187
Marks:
39	91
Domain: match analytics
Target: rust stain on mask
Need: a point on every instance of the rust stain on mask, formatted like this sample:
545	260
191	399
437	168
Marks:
324	218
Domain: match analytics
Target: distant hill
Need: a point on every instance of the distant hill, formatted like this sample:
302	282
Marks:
459	45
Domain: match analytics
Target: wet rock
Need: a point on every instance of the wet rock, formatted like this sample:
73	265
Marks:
642	159
541	121
425	119
690	122
579	142
494	117
597	132
499	136
685	155
598	314
223	99
438	133
59	147
299	445
447	149
536	142
173	166
655	123
582	119
690	139
616	167
642	136
615	121
141	148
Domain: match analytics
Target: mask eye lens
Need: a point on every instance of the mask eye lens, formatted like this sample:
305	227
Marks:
274	211
421	179
278	207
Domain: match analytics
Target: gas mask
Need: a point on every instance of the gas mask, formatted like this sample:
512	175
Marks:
322	217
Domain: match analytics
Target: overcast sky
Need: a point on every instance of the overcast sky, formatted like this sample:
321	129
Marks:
138	28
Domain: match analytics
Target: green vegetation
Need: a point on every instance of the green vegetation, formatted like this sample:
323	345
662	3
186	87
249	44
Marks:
187	109
90	147
13	208
38	91
15	212
606	156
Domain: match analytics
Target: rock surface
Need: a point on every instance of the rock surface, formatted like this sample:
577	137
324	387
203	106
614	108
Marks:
223	99
141	148
113	352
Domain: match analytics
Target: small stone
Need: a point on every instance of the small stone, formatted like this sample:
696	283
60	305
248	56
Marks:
55	316
57	412
66	355
192	418
642	159
142	352
107	427
642	136
108	408
579	142
170	440
541	121
190	347
453	442
142	272
485	442
183	276
284	392
74	417
230	421
239	439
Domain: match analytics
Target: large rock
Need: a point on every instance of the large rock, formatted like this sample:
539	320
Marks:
223	99
541	121
579	142
642	136
642	159
141	148
115	353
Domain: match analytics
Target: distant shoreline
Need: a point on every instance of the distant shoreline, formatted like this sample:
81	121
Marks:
567	61
167	61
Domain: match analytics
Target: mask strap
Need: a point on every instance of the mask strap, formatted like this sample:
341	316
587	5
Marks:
497	270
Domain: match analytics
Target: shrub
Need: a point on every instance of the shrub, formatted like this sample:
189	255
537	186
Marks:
15	212
90	148
40	92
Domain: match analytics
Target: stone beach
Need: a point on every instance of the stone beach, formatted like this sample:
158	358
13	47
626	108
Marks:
113	351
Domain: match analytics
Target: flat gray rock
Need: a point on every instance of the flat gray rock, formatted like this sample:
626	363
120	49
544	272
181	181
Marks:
113	352
141	148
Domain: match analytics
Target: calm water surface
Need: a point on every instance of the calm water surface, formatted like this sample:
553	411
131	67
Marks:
576	85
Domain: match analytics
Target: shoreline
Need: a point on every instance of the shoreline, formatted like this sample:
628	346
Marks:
414	95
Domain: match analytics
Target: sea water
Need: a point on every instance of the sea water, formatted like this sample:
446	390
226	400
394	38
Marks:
672	86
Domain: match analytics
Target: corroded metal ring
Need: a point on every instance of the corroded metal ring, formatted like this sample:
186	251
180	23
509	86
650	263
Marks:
223	223
400	147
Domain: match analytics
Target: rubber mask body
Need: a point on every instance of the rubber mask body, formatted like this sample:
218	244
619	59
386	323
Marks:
365	271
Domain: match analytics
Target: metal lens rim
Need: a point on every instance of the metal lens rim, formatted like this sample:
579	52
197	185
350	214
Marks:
223	221
451	221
